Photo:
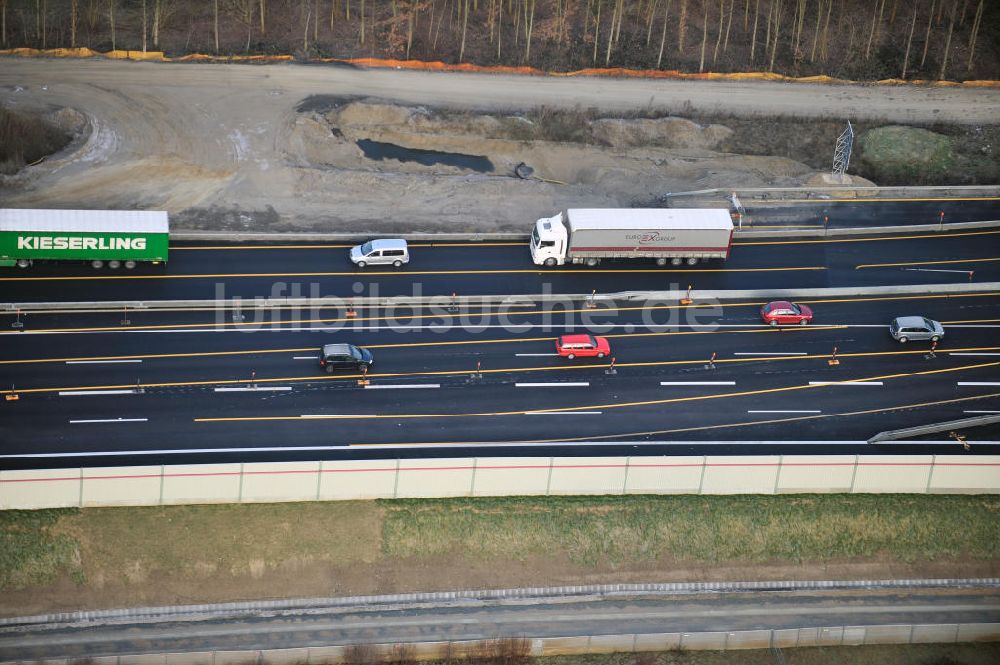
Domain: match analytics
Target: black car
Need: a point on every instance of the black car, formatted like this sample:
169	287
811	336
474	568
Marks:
344	356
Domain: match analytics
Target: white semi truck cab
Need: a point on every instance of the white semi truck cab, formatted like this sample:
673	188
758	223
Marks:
548	241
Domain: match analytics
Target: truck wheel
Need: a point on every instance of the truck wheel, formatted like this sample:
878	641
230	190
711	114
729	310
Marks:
592	262
114	265
23	263
97	264
361	264
129	265
661	262
550	262
676	261
692	261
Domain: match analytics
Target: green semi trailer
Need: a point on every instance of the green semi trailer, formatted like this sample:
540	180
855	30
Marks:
112	238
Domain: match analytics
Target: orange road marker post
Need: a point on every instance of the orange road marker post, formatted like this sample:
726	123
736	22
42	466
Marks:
19	325
971	273
453	307
590	304
125	319
253	379
711	362
931	355
611	368
686	300
833	362
961	439
138	390
350	313
941	220
364	381
478	374
12	396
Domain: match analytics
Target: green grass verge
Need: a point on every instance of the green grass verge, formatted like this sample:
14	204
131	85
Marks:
620	530
602	534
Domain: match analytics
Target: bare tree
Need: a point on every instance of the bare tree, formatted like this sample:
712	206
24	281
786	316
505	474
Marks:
245	13
465	29
529	26
927	37
753	39
263	13
111	23
682	25
72	22
663	35
704	38
909	42
597	30
145	26
777	31
947	42
975	33
718	39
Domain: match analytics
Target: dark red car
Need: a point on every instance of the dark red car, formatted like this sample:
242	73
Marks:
782	312
583	346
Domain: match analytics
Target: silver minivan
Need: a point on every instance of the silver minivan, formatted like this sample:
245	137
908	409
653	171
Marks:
905	328
392	252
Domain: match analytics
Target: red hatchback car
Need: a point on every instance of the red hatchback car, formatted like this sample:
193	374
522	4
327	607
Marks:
782	312
584	346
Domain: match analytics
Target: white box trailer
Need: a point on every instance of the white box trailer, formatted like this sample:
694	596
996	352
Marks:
674	235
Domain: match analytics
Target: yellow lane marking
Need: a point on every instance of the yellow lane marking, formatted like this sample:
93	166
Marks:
921	263
237	325
484	308
409	273
746	423
974	321
570	409
822	201
502	370
339	246
751	227
513	340
865	239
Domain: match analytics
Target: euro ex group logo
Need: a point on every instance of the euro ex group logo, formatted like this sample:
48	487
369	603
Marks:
649	237
79	242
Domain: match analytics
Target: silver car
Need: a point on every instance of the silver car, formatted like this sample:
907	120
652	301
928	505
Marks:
381	252
905	328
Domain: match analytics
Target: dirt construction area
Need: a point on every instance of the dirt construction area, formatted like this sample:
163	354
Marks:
265	148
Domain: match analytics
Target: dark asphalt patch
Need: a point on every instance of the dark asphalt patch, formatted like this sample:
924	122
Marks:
379	151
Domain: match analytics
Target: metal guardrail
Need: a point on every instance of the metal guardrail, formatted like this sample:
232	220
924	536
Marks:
935	428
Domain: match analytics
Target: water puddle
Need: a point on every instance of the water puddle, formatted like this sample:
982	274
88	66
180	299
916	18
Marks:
379	151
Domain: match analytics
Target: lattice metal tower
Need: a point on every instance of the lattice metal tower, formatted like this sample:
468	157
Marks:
842	154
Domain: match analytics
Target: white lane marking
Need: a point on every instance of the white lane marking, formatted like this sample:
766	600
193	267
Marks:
387	386
98	362
563	413
771	353
981	412
553	385
95	392
534	355
111	420
784	411
964	272
979	383
697	383
252	389
305	357
470	444
845	383
973	354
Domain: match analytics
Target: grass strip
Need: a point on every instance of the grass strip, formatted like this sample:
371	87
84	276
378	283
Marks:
128	546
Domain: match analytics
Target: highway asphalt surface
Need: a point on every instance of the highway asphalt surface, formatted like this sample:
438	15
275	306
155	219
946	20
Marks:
768	390
210	272
478	620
